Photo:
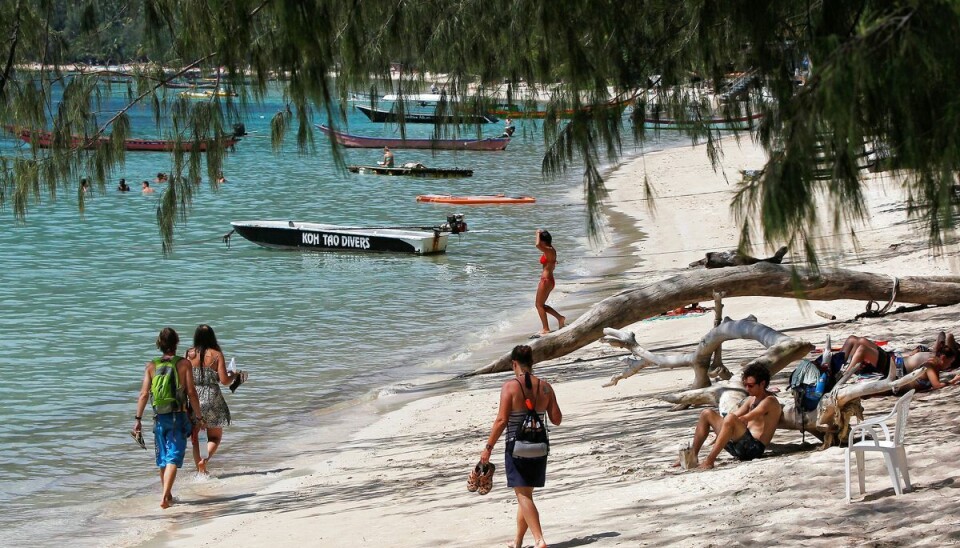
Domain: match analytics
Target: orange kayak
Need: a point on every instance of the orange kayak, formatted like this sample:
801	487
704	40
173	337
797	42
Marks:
475	200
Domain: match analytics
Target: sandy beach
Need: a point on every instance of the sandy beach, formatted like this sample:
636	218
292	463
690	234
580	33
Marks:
401	481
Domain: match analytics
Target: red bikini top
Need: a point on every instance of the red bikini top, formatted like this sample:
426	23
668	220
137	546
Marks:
543	259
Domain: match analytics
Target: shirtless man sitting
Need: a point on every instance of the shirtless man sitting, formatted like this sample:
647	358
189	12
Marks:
744	433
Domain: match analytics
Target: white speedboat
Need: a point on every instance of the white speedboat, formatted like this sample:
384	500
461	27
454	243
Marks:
322	237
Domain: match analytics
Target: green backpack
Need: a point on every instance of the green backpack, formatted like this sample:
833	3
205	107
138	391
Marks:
165	386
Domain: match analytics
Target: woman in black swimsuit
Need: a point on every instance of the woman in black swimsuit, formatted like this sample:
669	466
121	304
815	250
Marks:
523	474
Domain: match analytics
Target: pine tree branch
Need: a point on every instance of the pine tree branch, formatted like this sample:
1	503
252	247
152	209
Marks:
15	40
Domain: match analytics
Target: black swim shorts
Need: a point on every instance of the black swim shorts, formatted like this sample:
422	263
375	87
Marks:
745	448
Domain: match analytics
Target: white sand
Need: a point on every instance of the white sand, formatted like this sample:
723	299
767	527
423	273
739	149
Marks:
402	480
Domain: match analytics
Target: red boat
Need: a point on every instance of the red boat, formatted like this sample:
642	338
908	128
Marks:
357	141
44	139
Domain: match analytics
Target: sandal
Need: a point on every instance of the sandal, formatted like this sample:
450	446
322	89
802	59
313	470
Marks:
486	479
137	436
473	480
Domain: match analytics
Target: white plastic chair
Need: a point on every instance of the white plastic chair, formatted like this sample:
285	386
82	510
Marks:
875	436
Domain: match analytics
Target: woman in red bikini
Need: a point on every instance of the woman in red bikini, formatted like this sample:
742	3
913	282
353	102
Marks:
547	283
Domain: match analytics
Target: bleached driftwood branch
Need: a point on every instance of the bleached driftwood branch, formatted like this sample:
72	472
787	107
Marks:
781	349
761	279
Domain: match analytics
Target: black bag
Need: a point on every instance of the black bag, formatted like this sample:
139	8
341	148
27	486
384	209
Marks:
530	440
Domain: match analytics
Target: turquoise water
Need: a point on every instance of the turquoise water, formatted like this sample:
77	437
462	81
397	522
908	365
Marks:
83	297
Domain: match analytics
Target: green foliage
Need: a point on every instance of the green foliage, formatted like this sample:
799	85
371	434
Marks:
883	78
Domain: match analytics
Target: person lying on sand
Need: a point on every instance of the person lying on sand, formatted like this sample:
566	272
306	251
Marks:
744	433
863	355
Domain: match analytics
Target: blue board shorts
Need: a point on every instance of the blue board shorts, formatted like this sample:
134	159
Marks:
170	433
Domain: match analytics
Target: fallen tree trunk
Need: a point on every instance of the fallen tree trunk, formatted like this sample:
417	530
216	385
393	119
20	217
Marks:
761	279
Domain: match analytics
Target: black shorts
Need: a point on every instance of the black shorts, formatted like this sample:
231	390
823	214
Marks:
745	448
524	472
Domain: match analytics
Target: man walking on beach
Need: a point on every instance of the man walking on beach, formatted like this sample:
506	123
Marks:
168	380
744	433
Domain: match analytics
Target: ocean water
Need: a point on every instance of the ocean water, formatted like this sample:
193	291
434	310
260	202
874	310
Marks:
82	298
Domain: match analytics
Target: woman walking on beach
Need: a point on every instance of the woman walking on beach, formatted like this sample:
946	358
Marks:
209	371
524	391
547	283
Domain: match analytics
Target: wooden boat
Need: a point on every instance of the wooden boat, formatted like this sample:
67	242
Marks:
44	139
422	117
742	122
322	237
475	200
418	170
208	93
358	141
520	111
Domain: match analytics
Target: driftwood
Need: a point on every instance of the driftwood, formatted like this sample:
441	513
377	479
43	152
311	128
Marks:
723	259
761	279
781	349
829	421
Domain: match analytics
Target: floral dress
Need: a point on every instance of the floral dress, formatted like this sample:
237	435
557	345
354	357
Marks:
212	405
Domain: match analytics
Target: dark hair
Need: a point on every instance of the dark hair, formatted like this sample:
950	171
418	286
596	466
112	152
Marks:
204	338
758	372
168	340
146	183
546	238
523	355
944	349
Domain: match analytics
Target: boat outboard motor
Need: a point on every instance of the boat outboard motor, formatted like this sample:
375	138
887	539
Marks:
455	223
239	130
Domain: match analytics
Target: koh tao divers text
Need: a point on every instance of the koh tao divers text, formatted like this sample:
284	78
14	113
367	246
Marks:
335	240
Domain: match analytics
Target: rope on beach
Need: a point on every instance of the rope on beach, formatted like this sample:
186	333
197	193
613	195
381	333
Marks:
873	307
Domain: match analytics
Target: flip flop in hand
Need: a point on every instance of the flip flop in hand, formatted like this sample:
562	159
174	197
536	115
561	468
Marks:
137	436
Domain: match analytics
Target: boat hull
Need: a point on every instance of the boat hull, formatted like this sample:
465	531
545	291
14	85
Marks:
44	139
428	172
320	237
492	199
358	141
389	116
744	122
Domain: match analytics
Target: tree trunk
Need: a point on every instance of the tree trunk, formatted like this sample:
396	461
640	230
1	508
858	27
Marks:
761	279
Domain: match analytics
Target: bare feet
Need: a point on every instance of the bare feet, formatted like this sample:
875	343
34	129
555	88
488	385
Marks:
202	466
540	544
166	502
543	332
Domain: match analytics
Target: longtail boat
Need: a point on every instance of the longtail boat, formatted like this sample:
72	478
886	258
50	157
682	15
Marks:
358	141
417	170
389	116
475	200
504	110
740	122
44	139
